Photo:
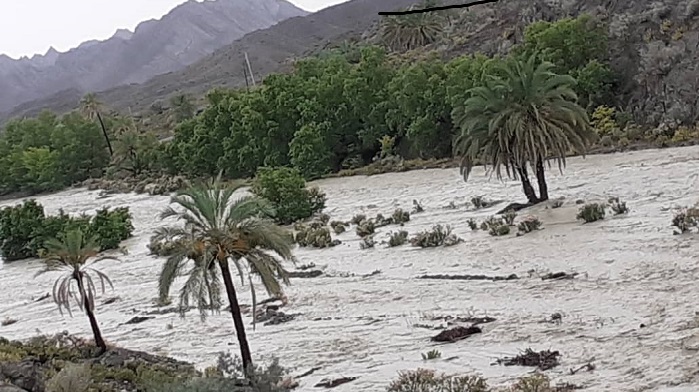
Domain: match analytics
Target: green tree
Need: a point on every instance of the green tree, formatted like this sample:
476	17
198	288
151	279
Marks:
80	147
286	189
42	170
219	231
526	115
92	108
135	152
74	254
308	150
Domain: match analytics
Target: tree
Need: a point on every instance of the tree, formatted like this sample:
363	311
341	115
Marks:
73	253
524	115
410	31
219	231
183	107
91	107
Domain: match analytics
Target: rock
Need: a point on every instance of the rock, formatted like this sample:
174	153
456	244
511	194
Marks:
26	375
138	320
455	334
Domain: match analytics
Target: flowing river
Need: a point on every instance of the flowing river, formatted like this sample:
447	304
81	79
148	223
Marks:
632	310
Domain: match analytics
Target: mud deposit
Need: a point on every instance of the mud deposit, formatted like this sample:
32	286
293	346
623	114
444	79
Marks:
631	272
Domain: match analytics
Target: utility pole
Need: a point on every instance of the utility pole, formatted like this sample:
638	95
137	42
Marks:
247	61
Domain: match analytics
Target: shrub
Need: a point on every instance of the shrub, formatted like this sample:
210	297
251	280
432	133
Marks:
286	189
528	224
479	202
366	228
591	212
381	221
357	219
424	380
686	219
417	207
438	236
398	239
315	236
72	378
399	216
472	224
618	207
25	227
367	242
495	226
509	216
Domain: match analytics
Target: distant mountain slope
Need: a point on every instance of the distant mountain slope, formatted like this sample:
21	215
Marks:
186	34
269	50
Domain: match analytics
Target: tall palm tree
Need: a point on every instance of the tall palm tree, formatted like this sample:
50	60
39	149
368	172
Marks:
74	254
410	31
91	107
218	231
524	116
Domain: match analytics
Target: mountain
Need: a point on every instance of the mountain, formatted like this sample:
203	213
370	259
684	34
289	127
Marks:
186	34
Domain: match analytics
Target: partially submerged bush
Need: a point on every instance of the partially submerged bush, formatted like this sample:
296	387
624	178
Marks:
472	224
381	221
397	239
25	227
438	236
367	242
286	189
618	207
339	227
495	226
509	216
417	207
366	228
479	202
424	380
528	224
315	236
357	219
399	216
686	219
591	212
432	354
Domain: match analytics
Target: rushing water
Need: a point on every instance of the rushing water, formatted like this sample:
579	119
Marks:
632	269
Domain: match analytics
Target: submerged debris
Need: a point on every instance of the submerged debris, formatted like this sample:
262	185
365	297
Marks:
559	276
455	334
305	274
543	360
470	277
335	382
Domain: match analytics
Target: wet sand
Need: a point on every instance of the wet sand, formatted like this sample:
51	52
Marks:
632	270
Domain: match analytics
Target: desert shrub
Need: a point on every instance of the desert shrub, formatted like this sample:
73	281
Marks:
535	383
339	227
72	378
618	207
286	189
479	202
367	242
381	221
324	219
399	216
432	354
495	226
686	219
557	204
315	236
509	216
472	224
603	121
424	380
438	236
357	219
417	207
591	212
25	227
528	224
397	239
366	228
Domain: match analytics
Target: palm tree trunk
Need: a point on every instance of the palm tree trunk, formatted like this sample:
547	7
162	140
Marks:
104	132
527	185
237	316
541	179
99	341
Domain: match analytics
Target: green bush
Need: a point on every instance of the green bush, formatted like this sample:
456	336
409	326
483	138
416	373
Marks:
591	212
286	189
397	239
25	227
438	236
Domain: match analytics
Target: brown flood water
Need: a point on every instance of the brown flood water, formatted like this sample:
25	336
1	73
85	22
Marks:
632	270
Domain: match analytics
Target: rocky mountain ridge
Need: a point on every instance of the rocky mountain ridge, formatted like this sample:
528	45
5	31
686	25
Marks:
189	32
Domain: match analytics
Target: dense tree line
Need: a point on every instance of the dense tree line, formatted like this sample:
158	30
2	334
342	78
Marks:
335	111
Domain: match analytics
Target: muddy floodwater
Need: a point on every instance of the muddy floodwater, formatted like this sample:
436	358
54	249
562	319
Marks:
632	311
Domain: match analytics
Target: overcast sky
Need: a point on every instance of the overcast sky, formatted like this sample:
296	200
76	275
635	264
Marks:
32	26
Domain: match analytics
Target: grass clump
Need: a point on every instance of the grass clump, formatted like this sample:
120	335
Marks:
509	216
400	217
398	238
367	242
591	212
472	224
365	228
425	380
438	236
432	354
528	224
479	202
495	226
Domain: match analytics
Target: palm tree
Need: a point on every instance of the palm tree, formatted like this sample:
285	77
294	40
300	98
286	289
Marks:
219	231
74	254
410	31
525	115
91	107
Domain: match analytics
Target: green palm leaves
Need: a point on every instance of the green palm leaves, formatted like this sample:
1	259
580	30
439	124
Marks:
407	32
